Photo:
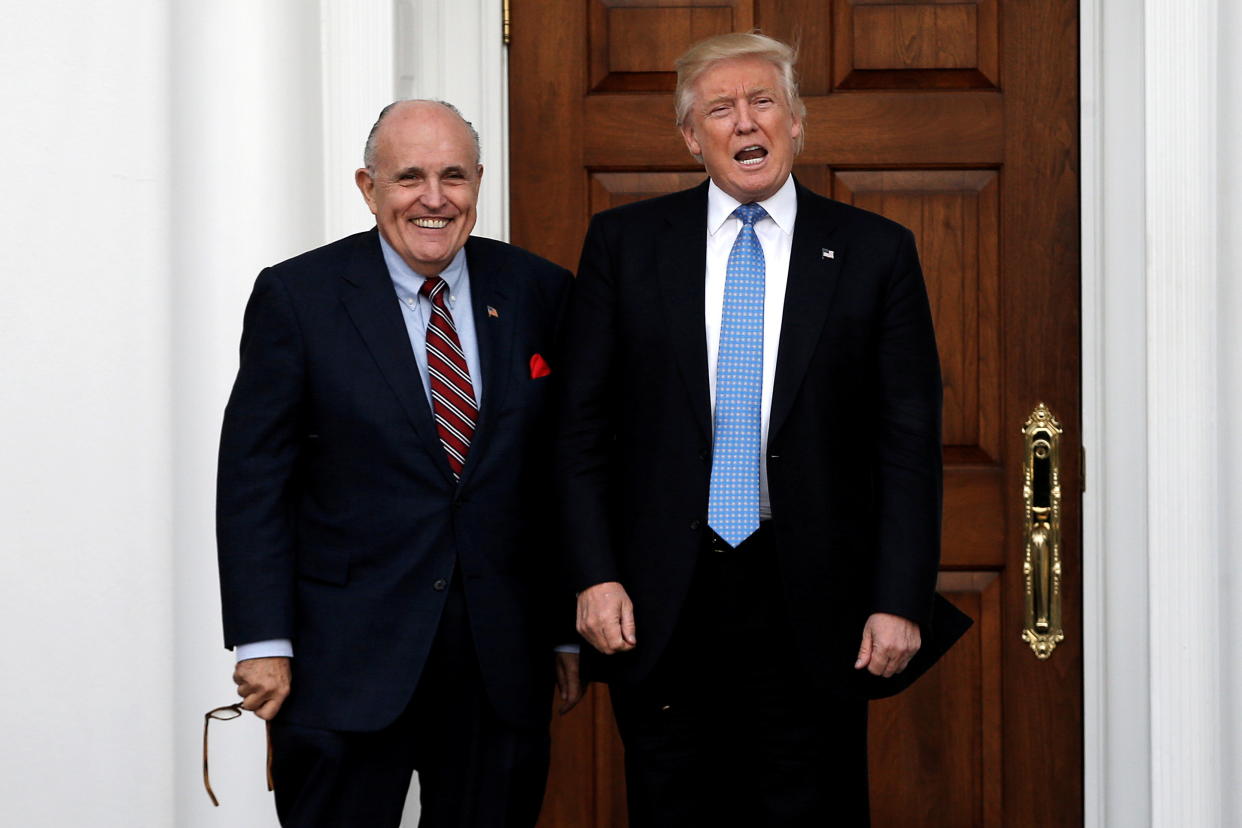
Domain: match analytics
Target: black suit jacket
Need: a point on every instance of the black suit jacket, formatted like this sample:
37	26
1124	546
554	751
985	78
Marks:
338	519
853	459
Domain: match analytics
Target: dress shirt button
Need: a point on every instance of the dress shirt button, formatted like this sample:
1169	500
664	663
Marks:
695	524
440	585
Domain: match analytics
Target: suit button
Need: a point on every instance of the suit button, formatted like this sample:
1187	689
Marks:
440	585
695	524
704	454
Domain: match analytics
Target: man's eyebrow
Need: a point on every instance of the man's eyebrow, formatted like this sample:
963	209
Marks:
419	172
727	98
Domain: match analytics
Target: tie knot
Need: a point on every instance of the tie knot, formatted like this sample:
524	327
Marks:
750	213
432	285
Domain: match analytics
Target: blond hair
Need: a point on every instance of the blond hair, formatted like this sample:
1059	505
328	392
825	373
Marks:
707	53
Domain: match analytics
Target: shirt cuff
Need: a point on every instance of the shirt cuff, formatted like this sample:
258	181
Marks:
567	648
272	648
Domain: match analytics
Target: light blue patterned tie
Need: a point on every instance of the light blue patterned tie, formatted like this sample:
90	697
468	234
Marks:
733	501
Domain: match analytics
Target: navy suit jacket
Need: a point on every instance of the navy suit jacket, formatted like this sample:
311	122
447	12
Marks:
854	458
339	521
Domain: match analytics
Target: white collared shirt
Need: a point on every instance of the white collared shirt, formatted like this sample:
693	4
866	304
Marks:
775	233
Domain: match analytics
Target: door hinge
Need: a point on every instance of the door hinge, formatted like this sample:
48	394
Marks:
1082	468
504	18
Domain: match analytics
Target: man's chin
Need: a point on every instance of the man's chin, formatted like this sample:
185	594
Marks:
429	260
747	192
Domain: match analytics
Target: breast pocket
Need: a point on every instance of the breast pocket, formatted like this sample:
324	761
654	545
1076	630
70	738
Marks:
530	383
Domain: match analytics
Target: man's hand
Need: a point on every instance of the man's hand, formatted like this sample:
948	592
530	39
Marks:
263	684
568	681
888	644
606	618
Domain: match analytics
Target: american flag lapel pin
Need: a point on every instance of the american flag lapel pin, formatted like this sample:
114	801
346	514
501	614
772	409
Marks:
828	254
492	312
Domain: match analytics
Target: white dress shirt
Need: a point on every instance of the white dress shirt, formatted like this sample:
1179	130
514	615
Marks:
775	233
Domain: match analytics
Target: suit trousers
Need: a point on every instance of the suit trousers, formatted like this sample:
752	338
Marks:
473	769
727	730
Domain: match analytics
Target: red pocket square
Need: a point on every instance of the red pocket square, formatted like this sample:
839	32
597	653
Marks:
539	367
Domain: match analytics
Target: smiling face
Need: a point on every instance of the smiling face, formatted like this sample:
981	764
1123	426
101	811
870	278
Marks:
424	184
743	127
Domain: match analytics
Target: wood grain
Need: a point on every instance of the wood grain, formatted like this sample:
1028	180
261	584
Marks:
955	760
1040	242
633	43
614	189
954	215
976	502
915	44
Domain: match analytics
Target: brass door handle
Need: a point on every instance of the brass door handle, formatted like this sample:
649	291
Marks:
1041	500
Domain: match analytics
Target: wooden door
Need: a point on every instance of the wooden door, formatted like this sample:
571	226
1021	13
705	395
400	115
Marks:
958	118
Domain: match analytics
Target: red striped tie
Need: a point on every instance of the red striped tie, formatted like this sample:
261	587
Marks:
452	395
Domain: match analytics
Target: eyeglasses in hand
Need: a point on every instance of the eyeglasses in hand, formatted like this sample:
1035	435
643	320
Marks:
223	714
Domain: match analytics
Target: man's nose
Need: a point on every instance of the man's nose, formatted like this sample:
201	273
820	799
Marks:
433	194
744	123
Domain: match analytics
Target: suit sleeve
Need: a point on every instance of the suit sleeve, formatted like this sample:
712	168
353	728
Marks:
908	442
585	433
259	446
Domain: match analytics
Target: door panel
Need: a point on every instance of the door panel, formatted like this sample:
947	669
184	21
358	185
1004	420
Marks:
942	736
959	120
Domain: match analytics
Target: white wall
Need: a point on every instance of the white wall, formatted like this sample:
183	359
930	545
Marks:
1184	392
451	50
1117	706
86	701
1230	169
355	69
247	191
1162	172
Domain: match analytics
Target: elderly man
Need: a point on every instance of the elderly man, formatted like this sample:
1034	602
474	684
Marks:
384	468
749	463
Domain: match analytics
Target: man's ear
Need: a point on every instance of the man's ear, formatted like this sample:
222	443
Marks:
366	185
692	144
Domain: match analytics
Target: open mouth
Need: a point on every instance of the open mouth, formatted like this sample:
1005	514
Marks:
750	156
431	222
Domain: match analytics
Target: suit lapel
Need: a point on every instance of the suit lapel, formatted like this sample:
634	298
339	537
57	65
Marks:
491	287
682	253
813	278
372	306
